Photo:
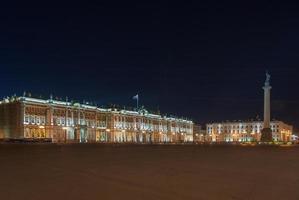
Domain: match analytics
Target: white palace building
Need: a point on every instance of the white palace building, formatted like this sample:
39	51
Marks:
32	119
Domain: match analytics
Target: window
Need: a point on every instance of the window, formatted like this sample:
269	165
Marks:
27	133
82	122
32	120
68	122
42	120
26	118
37	120
43	134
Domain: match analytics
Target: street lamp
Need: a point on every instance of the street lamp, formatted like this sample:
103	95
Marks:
65	133
107	132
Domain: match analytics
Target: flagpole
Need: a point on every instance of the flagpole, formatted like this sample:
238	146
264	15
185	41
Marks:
136	97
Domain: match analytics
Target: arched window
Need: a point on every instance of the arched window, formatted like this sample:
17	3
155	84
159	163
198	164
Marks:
27	133
42	133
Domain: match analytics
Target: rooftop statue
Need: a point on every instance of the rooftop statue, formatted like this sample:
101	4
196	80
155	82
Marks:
268	76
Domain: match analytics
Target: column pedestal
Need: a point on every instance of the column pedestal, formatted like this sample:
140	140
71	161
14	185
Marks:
266	135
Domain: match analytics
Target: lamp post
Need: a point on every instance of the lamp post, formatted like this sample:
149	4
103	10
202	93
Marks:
107	135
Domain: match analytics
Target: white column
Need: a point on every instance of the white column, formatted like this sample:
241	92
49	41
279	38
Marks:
267	89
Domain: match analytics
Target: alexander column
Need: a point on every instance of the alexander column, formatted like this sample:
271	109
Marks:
266	131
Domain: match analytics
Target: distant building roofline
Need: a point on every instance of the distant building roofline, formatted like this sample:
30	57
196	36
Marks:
141	111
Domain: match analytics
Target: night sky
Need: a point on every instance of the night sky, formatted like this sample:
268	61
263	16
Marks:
204	61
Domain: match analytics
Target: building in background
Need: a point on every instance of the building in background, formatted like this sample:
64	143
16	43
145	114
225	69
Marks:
199	134
247	131
31	119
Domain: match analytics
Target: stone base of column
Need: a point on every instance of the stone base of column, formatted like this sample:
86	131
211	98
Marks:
266	135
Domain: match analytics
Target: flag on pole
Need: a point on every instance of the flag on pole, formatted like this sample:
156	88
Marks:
135	97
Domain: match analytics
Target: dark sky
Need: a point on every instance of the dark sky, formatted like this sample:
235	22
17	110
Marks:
205	61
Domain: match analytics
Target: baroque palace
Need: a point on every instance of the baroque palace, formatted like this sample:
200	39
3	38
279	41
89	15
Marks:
32	119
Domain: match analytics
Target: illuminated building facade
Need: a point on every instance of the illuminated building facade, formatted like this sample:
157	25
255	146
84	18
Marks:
247	131
25	118
199	134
